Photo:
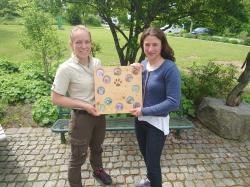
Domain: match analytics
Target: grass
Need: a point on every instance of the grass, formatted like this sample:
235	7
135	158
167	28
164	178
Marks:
186	50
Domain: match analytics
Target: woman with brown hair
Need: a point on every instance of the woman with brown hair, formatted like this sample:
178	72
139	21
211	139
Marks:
161	95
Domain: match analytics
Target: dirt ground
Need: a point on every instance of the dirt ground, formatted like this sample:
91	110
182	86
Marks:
18	116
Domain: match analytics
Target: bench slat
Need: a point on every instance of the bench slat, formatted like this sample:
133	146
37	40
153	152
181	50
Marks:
116	124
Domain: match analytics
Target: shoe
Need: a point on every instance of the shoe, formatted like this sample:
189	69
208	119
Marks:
102	176
143	183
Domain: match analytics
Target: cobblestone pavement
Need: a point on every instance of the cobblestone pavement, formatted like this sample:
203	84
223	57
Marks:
34	157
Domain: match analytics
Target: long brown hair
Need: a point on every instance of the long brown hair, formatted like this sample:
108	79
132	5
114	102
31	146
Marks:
166	51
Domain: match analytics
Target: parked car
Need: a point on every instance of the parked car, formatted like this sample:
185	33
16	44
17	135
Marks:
173	29
114	20
201	30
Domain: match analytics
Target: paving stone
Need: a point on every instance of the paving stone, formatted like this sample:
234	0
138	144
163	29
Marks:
61	183
39	184
3	184
50	183
10	177
43	176
167	184
21	177
199	158
178	184
120	179
32	177
11	184
171	176
189	184
180	176
129	180
89	182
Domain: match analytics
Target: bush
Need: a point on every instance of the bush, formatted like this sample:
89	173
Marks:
31	71
189	35
247	41
243	35
74	15
14	88
215	38
3	107
204	37
44	112
7	67
246	98
186	108
208	80
234	41
93	20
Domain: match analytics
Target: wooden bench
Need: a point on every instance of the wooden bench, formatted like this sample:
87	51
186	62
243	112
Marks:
116	124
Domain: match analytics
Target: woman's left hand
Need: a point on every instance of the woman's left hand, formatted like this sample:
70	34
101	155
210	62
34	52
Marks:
136	111
137	66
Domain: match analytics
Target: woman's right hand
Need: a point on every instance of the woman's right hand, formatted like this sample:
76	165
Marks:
91	109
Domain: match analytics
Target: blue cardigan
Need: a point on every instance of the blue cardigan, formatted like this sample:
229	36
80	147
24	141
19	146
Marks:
161	89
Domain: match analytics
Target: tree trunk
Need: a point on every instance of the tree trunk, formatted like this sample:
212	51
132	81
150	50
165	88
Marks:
234	97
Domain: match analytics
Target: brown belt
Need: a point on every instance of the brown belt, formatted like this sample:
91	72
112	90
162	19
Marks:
80	111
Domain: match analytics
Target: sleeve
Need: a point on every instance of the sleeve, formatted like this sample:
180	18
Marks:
61	81
173	96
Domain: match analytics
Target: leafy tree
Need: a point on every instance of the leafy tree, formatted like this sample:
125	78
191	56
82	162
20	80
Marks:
55	7
40	37
157	12
74	14
9	8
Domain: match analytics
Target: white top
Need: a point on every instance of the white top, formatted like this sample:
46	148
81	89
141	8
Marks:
161	123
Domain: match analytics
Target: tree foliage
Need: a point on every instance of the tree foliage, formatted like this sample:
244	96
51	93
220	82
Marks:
40	37
143	13
9	8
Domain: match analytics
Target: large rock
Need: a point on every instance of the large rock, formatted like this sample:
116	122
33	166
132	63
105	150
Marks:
228	122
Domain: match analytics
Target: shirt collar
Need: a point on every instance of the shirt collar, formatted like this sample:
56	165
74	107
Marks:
76	61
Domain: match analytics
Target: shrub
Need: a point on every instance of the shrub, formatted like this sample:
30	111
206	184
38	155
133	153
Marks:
7	67
247	41
246	98
2	109
234	41
44	112
93	20
16	88
31	71
225	40
186	108
204	37
189	35
74	14
243	35
208	80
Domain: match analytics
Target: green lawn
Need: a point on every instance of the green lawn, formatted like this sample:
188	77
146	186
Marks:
186	50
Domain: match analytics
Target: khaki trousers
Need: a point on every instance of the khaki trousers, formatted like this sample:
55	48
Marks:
85	131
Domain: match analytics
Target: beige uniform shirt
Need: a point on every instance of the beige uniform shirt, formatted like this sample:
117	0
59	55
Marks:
76	79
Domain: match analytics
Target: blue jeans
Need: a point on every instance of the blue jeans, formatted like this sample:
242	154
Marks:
151	142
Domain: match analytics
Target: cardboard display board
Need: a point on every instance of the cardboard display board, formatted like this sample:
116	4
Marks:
117	89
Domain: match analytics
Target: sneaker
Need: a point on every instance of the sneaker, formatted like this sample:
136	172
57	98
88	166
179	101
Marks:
143	183
102	176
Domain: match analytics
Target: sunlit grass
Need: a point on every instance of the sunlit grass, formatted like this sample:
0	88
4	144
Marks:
186	50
